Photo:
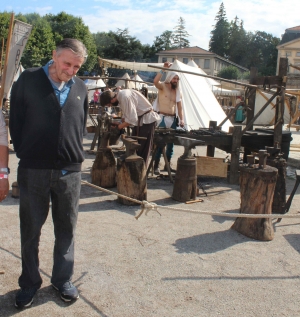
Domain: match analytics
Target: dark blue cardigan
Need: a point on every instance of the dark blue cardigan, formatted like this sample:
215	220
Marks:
44	135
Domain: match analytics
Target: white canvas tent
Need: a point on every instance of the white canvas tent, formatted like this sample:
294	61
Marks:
138	85
219	91
211	82
268	115
199	103
121	82
93	83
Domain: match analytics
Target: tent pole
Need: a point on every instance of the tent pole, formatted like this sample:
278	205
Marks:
207	76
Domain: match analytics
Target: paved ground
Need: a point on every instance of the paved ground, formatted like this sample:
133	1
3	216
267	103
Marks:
179	263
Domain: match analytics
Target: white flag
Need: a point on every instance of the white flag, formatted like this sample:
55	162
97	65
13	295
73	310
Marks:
19	39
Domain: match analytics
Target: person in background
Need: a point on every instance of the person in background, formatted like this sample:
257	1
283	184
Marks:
48	114
167	104
4	170
96	96
136	111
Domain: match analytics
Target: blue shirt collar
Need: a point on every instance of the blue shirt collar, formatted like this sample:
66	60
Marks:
46	70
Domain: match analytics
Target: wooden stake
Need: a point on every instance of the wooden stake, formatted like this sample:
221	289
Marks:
6	58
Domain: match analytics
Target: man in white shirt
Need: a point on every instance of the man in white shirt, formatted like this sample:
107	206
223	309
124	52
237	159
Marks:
168	103
136	111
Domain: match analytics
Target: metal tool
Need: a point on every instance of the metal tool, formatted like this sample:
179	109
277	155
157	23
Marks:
131	145
188	145
262	157
289	202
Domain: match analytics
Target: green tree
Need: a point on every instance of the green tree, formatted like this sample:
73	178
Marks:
219	40
164	41
237	46
68	26
38	50
262	52
229	72
123	46
180	35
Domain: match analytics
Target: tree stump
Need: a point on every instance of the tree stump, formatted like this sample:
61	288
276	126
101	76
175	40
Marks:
257	190
104	168
131	180
185	184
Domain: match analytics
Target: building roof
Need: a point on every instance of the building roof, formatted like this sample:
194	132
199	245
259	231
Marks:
290	35
187	50
195	50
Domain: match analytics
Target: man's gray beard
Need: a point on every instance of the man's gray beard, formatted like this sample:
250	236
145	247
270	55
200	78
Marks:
173	86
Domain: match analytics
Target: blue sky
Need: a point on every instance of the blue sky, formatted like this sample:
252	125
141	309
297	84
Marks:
147	19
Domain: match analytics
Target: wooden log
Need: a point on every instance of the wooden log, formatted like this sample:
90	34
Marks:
104	168
185	184
257	190
235	155
131	180
279	199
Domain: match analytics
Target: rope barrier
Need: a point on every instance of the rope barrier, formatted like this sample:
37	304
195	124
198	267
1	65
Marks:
147	206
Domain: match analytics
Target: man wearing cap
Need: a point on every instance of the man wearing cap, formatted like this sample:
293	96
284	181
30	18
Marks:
136	111
167	104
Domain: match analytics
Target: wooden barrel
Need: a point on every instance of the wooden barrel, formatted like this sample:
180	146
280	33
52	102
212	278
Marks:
185	184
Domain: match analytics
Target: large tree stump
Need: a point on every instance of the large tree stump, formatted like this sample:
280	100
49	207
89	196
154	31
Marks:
257	190
131	180
104	168
185	184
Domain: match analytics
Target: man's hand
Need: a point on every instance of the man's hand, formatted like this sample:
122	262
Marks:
181	123
4	188
167	65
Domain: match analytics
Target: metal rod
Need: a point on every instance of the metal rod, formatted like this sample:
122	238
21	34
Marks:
207	76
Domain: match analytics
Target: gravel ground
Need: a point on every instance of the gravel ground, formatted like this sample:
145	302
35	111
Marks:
178	263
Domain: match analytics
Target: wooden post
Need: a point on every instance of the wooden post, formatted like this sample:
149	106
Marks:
235	155
257	190
210	150
131	180
185	185
279	200
279	121
251	99
9	36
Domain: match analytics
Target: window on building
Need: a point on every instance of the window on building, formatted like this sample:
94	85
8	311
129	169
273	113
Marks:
185	60
288	53
173	59
197	61
207	63
164	59
298	54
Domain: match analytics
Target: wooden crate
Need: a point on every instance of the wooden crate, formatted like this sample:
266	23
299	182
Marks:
211	166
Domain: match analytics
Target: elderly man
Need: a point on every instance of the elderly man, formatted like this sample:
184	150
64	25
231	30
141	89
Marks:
48	114
4	170
136	111
167	104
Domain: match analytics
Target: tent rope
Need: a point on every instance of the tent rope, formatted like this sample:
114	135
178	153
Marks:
147	206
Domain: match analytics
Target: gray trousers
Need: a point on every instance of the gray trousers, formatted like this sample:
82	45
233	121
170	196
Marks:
37	188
